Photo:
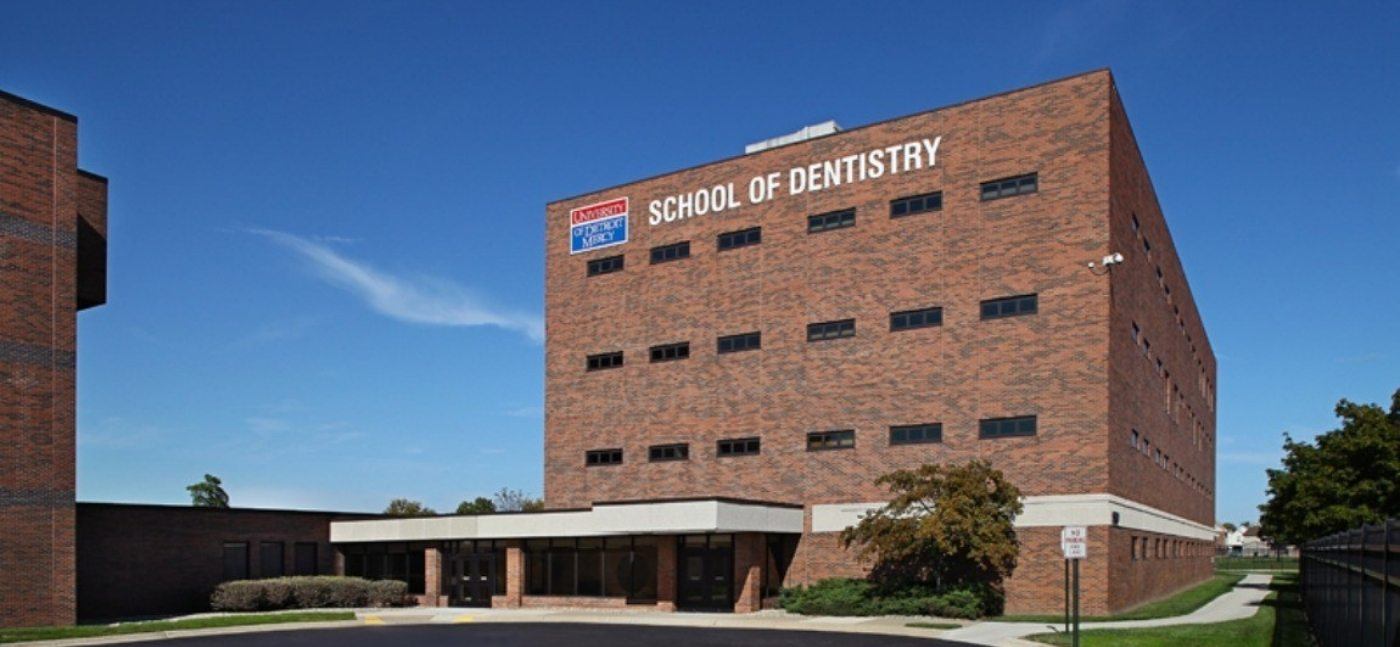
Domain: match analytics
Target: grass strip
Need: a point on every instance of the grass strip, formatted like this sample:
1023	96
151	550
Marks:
22	634
1177	605
1280	622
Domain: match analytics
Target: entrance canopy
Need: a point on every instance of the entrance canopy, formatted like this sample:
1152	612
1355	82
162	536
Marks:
660	517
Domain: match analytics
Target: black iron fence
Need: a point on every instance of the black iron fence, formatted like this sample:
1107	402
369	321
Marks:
1351	586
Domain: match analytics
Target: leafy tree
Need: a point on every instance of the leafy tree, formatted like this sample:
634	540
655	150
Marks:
408	508
1345	478
1229	527
479	505
208	493
947	525
508	500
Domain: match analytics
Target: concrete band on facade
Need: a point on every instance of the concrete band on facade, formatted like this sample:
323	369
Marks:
1049	510
658	518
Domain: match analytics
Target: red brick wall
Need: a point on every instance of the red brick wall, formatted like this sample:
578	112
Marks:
38	213
1053	364
140	560
1182	427
1066	364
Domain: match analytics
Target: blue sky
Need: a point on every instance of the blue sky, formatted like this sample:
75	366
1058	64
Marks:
327	218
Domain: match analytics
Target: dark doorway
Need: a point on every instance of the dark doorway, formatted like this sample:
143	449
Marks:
473	579
705	573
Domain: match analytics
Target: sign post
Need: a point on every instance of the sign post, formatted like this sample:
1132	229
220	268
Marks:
1074	541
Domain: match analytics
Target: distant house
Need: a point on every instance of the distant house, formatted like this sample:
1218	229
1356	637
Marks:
1246	542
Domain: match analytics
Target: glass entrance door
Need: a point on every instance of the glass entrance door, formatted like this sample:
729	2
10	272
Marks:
473	579
705	565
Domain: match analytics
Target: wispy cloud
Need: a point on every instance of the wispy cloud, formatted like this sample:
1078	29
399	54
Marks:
422	300
532	411
1267	459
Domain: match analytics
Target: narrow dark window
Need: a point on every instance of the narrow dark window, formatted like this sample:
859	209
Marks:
742	238
1146	244
304	560
670	352
909	319
270	559
594	457
823	440
915	434
676	452
235	560
673	252
1005	427
1010	186
604	360
605	265
740	342
831	330
1009	307
916	204
737	447
831	220
1136	226
1133	439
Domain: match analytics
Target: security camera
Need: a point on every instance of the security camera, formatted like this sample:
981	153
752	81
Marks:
1112	259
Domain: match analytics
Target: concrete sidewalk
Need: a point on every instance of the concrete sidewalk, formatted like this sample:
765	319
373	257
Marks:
768	619
1239	603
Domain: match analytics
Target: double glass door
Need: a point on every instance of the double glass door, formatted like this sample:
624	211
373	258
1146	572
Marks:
473	579
706	572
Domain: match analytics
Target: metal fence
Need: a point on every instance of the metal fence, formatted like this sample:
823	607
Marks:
1350	584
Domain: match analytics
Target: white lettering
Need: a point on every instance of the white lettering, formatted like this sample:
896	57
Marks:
655	209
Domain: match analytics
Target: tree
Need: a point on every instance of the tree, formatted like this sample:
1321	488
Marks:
1345	478
208	493
479	505
1229	527
948	525
508	500
408	508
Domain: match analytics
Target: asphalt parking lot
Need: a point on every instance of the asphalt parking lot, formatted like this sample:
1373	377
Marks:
573	635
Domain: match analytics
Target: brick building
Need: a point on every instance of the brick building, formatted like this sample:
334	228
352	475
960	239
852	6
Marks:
737	350
53	257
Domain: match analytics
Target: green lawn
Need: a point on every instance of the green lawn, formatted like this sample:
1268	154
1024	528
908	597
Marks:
89	631
1180	604
1233	564
1279	623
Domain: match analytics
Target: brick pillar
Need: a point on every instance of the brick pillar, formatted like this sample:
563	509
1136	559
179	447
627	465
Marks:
338	561
666	573
432	577
515	577
748	572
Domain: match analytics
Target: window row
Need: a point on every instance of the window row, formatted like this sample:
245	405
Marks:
840	219
1145	548
1143	445
592	567
930	432
1202	382
822	331
271	559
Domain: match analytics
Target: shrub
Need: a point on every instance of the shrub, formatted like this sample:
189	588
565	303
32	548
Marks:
853	597
307	593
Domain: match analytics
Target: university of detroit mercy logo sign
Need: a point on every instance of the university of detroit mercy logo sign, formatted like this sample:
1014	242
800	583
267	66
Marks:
598	225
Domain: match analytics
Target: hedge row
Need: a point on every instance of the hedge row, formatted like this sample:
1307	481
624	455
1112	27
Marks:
308	592
852	597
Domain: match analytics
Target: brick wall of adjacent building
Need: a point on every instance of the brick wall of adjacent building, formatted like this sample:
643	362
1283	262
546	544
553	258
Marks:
144	560
52	235
1066	364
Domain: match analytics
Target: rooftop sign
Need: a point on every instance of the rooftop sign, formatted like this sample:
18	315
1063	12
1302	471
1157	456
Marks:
850	169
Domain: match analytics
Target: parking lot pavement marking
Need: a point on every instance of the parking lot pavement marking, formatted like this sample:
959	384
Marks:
463	619
374	620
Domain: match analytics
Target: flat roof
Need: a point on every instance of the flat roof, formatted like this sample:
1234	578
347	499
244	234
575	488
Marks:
665	517
838	133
